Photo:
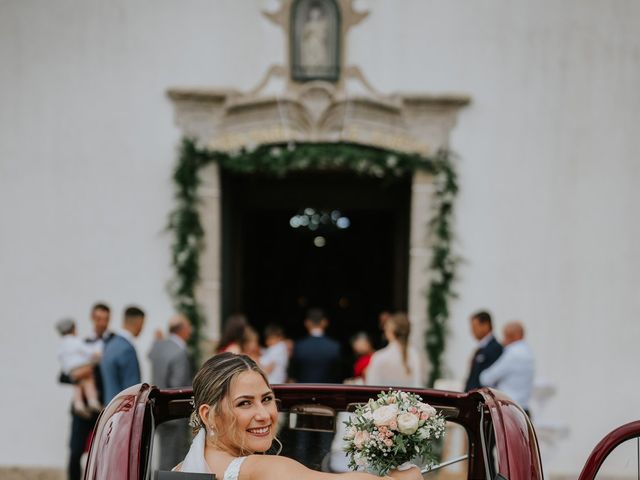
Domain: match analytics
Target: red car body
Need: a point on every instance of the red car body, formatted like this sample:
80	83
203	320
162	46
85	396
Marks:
123	439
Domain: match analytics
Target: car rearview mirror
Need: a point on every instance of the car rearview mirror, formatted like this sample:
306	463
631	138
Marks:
313	418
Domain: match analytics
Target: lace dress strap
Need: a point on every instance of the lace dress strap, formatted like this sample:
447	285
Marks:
233	470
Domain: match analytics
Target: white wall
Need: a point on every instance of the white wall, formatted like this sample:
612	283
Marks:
548	172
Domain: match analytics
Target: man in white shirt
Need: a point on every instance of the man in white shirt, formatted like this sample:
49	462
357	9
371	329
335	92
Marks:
513	372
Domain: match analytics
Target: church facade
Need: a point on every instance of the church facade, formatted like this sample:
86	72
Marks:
538	102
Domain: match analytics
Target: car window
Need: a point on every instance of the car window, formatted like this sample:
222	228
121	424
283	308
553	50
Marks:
308	436
454	461
323	451
622	462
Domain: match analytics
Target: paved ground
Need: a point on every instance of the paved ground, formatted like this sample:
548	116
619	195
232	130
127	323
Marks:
19	473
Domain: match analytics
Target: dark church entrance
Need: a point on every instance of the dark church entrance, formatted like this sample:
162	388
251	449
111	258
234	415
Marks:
330	240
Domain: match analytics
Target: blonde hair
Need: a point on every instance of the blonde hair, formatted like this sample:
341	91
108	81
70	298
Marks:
401	329
212	384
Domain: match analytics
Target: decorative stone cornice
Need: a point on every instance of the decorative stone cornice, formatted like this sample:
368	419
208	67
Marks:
225	119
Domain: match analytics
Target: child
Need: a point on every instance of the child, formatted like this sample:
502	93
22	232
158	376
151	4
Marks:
275	359
78	359
362	347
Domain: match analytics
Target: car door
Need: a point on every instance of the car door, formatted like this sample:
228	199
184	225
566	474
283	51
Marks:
616	455
510	438
121	440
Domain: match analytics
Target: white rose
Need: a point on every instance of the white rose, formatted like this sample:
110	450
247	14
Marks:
384	415
423	433
407	423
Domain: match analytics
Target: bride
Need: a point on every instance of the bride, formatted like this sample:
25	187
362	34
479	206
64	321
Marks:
235	414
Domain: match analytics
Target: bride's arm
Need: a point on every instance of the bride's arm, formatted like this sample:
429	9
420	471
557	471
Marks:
270	467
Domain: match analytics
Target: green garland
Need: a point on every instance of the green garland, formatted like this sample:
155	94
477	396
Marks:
279	160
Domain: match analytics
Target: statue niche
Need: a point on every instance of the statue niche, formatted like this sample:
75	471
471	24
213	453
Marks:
315	40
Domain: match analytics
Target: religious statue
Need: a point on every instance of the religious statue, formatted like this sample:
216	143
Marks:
315	40
314	51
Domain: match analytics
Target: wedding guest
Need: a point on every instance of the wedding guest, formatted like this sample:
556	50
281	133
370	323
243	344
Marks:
362	347
235	417
382	319
171	367
487	351
232	334
513	371
275	358
78	359
397	364
82	427
316	358
119	366
250	343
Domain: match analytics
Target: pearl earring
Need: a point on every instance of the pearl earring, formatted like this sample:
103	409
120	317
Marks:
211	432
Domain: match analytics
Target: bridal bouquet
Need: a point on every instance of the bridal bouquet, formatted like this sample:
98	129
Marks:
388	432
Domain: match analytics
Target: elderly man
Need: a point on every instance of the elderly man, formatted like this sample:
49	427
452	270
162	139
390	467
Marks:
513	371
171	368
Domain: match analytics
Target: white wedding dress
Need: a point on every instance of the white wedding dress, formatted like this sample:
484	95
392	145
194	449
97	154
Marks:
194	461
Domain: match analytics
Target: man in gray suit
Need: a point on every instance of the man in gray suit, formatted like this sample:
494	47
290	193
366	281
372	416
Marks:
171	368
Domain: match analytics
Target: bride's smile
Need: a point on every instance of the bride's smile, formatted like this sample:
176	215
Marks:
261	431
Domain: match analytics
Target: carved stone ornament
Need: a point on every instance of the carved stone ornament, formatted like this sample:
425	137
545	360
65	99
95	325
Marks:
315	96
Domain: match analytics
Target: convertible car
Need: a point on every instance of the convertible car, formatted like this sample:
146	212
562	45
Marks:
488	436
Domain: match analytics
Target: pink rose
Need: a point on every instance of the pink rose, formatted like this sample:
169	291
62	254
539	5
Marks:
360	438
428	409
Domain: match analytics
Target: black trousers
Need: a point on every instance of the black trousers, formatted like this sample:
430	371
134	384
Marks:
81	428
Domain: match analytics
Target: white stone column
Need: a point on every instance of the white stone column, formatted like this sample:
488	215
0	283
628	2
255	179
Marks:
419	257
209	292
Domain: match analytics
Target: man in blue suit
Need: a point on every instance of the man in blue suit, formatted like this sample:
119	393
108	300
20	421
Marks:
119	365
488	349
316	358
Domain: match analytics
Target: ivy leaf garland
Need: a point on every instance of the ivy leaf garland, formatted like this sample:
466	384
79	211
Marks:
280	160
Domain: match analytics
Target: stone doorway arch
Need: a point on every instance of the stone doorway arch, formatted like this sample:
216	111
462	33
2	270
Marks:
281	110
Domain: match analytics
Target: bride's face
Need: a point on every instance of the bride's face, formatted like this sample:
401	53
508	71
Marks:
253	413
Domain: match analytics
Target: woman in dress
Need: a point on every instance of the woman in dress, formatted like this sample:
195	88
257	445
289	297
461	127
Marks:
233	333
235	417
398	364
